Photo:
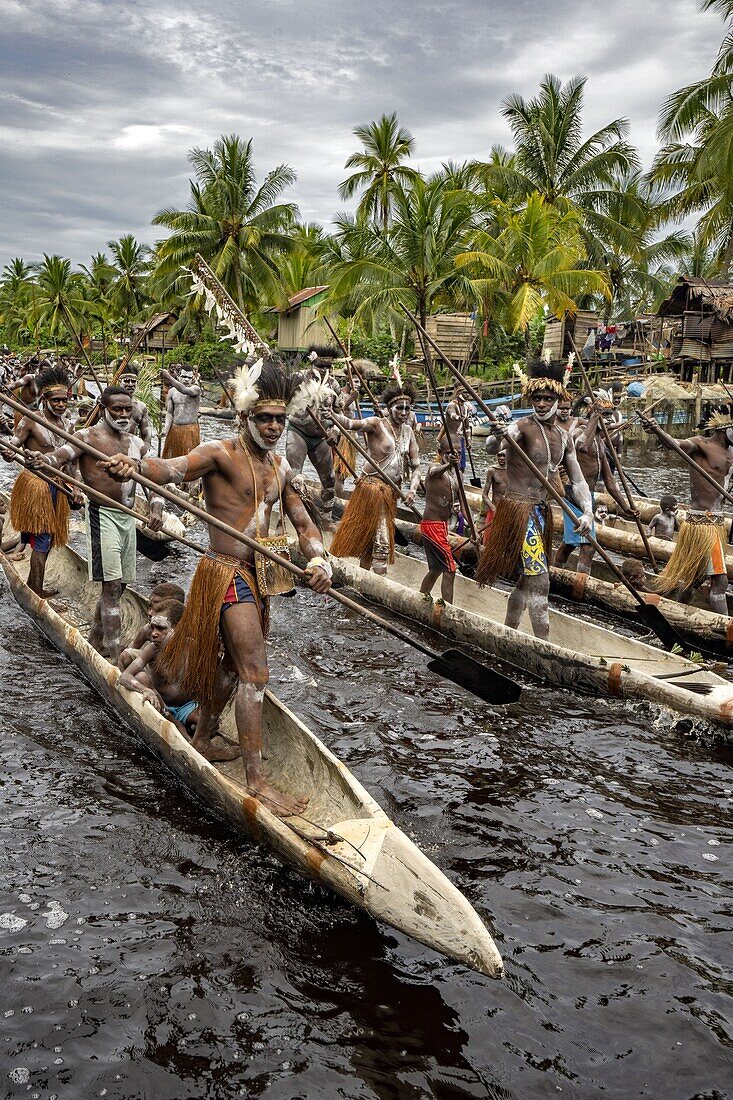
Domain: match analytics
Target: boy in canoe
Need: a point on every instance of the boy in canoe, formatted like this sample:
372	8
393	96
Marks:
144	675
519	543
228	603
664	524
441	496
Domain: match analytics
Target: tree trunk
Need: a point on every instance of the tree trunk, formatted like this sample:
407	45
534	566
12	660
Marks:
727	256
238	287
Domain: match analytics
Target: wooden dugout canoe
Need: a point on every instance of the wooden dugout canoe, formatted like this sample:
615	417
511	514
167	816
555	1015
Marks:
388	875
580	656
692	622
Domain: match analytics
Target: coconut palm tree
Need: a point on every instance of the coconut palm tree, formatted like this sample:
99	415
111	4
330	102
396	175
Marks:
15	293
99	279
380	167
238	226
696	123
413	263
131	264
533	264
551	156
638	267
58	301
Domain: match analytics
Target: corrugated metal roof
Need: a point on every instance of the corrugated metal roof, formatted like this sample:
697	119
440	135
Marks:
302	296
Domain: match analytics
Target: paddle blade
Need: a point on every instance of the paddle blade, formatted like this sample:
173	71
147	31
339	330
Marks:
485	682
400	538
475	482
151	549
668	635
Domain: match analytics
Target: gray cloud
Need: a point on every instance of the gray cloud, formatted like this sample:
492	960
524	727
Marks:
100	102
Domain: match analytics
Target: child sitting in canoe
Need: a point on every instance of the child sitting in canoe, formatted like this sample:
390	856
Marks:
664	524
160	596
143	676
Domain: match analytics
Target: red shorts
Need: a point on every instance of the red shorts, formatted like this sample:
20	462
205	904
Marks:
437	548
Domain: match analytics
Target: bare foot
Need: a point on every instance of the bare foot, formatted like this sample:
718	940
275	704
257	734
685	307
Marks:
280	804
58	605
219	752
49	593
17	555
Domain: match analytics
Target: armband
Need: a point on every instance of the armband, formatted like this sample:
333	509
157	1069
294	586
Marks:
321	563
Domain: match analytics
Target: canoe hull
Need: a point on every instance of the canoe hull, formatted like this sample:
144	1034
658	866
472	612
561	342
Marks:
392	880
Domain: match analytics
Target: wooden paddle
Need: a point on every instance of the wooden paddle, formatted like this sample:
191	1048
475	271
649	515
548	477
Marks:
652	616
616	459
461	669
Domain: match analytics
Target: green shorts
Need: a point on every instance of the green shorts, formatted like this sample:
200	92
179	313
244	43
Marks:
111	542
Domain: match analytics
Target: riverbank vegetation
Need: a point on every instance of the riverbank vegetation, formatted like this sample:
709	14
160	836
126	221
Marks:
561	220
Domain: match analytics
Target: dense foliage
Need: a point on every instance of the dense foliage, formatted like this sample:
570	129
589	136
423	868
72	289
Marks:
562	220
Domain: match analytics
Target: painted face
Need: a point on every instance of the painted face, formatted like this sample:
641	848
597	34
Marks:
186	376
400	411
544	403
501	459
563	411
128	382
266	426
118	413
729	435
57	401
160	629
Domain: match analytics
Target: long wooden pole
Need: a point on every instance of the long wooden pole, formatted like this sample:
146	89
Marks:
616	459
45	470
547	486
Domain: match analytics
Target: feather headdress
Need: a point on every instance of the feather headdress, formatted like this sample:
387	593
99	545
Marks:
244	386
542	375
720	419
603	399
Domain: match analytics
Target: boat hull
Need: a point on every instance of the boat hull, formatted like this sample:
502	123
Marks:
391	879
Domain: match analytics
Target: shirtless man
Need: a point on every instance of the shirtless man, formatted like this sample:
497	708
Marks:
699	552
143	675
593	459
243	479
306	440
494	489
564	417
38	510
366	530
182	404
111	543
26	387
520	537
441	495
458	413
161	595
139	421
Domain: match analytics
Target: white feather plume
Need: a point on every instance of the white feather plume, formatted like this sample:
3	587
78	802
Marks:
306	394
244	386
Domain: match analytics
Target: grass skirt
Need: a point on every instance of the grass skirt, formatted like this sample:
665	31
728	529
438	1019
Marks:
32	510
502	552
348	450
371	502
181	439
689	565
191	657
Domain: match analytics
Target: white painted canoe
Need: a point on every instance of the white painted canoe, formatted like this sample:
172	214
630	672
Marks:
353	848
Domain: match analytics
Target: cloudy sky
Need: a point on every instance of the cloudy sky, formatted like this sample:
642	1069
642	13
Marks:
101	99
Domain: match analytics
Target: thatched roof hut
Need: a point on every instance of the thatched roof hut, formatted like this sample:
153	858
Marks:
703	336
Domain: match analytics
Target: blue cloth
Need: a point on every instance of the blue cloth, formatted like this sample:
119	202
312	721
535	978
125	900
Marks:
570	534
184	712
462	463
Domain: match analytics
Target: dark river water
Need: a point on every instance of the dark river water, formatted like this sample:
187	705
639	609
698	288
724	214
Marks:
150	951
